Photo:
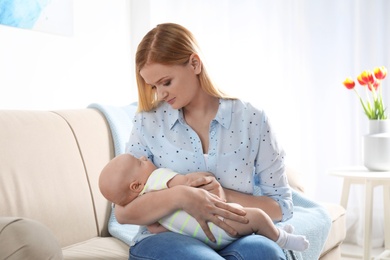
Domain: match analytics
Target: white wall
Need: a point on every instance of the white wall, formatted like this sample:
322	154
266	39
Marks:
48	71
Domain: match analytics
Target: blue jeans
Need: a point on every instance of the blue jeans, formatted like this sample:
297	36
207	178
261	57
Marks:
173	246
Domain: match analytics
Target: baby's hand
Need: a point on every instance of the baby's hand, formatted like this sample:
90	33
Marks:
210	184
156	228
196	177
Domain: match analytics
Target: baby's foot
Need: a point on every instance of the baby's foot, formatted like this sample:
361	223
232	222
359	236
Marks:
296	242
288	228
292	242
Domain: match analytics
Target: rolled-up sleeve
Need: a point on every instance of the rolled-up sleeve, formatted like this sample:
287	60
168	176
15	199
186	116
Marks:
270	176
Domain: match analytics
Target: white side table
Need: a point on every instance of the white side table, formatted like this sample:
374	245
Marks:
370	179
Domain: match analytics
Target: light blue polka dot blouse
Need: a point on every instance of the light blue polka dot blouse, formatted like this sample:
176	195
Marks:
243	152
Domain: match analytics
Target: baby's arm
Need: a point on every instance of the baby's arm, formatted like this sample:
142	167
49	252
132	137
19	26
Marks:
187	179
204	180
178	179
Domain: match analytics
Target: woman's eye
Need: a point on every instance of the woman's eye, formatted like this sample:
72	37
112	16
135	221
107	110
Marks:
167	83
153	87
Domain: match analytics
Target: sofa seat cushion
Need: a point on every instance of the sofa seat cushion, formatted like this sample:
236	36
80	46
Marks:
337	231
97	248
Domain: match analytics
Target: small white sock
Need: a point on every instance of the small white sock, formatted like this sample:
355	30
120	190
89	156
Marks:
292	242
288	228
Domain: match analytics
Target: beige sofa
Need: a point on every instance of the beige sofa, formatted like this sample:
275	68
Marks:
50	204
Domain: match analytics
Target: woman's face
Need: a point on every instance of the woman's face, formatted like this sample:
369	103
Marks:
177	85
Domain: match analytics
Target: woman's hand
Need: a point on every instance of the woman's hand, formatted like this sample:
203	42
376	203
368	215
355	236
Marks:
206	207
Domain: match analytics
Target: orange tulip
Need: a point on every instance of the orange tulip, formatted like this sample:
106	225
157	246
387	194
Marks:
380	72
365	78
349	83
375	85
373	106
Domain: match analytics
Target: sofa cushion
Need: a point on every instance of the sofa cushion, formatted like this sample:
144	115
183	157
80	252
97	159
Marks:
43	175
337	231
295	179
98	248
93	137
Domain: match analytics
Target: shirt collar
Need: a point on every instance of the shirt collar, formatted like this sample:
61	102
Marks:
176	116
223	117
224	114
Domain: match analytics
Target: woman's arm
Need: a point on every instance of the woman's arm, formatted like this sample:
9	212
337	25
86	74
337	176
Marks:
144	210
269	205
202	205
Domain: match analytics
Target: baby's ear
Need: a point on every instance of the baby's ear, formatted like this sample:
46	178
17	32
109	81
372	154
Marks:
136	186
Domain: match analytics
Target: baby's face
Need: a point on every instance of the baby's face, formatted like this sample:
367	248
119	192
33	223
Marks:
142	167
129	170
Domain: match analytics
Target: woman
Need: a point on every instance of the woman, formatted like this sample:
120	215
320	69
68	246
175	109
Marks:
185	123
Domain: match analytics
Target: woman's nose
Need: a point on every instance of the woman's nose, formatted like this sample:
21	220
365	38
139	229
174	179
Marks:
161	93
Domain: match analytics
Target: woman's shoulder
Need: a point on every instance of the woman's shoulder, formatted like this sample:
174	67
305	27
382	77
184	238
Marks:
160	112
239	105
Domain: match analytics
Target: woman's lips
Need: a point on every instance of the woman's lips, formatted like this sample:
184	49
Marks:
171	101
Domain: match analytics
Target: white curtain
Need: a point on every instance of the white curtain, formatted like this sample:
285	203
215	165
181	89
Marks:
290	58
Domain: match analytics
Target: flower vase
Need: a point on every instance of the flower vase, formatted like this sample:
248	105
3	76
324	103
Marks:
376	146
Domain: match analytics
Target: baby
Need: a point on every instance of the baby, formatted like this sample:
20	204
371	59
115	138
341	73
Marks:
125	178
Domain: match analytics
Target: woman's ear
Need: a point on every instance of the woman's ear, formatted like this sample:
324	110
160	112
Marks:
196	63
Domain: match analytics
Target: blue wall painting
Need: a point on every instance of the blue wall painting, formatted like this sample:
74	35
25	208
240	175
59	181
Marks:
53	16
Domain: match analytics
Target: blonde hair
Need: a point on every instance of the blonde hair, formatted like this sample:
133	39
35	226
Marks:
168	44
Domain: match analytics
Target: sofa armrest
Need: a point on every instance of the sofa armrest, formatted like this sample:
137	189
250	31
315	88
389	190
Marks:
22	238
295	179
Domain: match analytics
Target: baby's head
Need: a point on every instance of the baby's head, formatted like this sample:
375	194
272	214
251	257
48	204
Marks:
124	177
